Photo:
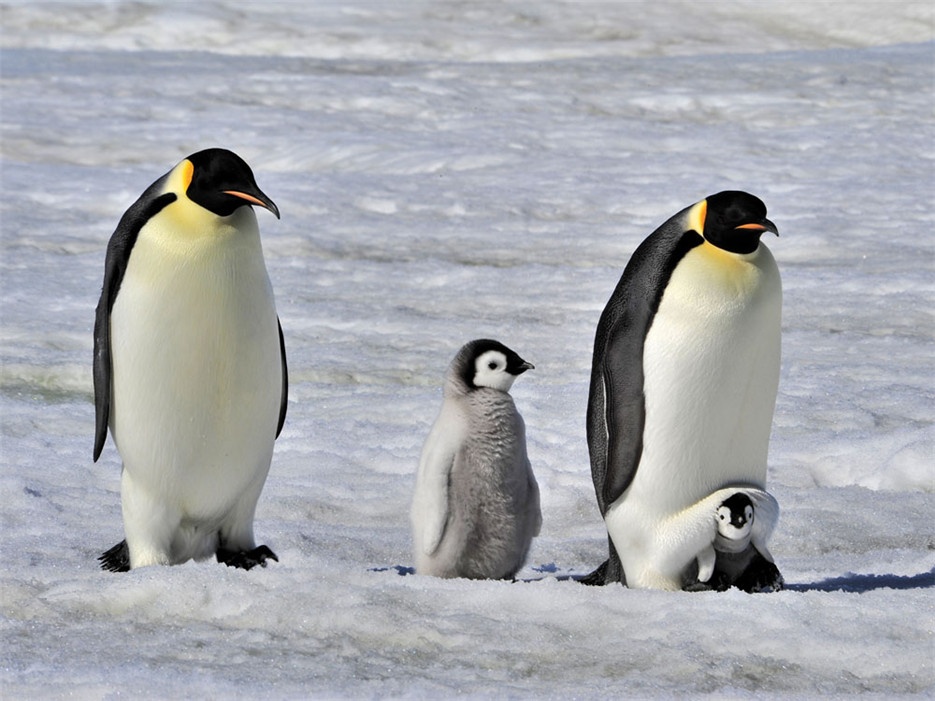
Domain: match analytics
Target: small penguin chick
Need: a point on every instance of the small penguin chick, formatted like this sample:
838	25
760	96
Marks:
476	505
734	523
739	545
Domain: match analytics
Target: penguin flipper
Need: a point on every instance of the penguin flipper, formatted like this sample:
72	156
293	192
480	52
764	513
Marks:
430	504
534	500
625	414
706	560
117	559
616	405
115	265
436	517
284	399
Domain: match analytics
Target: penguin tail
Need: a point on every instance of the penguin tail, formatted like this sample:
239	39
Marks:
117	559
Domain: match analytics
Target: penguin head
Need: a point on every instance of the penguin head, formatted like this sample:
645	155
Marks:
220	181
488	363
732	220
735	517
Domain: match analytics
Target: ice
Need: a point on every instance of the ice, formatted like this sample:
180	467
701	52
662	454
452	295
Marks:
448	171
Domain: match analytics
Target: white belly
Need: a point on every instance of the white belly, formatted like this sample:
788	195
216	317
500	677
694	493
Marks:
711	371
196	368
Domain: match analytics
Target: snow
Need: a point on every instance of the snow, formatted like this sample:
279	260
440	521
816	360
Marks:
448	171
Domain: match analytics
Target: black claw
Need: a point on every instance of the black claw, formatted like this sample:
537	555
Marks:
246	559
117	559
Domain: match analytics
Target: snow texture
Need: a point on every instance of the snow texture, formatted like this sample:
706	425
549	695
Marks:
456	170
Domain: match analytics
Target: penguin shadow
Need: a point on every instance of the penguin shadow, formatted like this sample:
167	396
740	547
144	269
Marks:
552	571
547	570
401	570
861	583
852	583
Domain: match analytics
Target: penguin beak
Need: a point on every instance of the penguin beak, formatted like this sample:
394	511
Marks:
258	199
760	226
524	367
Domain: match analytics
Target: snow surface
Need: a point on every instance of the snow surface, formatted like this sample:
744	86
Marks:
446	171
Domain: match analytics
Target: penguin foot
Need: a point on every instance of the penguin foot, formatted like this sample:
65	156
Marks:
246	559
598	577
718	582
117	559
761	576
697	586
608	572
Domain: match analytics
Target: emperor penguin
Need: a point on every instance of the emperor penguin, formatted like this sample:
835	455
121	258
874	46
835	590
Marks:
190	366
476	505
683	380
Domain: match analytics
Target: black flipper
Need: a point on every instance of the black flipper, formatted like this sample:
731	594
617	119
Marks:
117	559
616	404
115	265
284	399
246	559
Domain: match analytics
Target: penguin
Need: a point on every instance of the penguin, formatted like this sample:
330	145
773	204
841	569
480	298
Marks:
741	537
686	546
190	366
684	377
476	509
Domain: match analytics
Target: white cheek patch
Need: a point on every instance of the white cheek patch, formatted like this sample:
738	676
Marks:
490	371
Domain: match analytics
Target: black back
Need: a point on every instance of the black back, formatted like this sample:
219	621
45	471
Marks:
615	429
115	265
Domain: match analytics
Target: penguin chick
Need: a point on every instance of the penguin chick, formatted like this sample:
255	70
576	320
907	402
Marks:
739	546
190	366
734	521
476	505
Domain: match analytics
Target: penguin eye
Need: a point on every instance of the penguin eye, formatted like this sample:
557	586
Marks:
492	365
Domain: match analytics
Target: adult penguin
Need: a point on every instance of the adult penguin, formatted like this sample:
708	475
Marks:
190	366
684	378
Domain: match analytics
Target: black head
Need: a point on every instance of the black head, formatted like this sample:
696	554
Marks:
734	221
498	360
740	507
222	182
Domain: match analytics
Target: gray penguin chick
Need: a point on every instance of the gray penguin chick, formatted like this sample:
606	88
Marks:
476	509
744	522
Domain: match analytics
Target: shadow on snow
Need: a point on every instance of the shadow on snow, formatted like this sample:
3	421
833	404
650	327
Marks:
860	583
850	582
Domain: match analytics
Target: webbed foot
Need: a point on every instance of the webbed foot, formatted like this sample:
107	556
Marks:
246	559
597	578
761	576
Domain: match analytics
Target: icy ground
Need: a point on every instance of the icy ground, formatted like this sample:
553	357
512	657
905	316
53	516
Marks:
448	171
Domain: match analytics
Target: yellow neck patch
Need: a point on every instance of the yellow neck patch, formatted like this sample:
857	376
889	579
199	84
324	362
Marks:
696	217
180	178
